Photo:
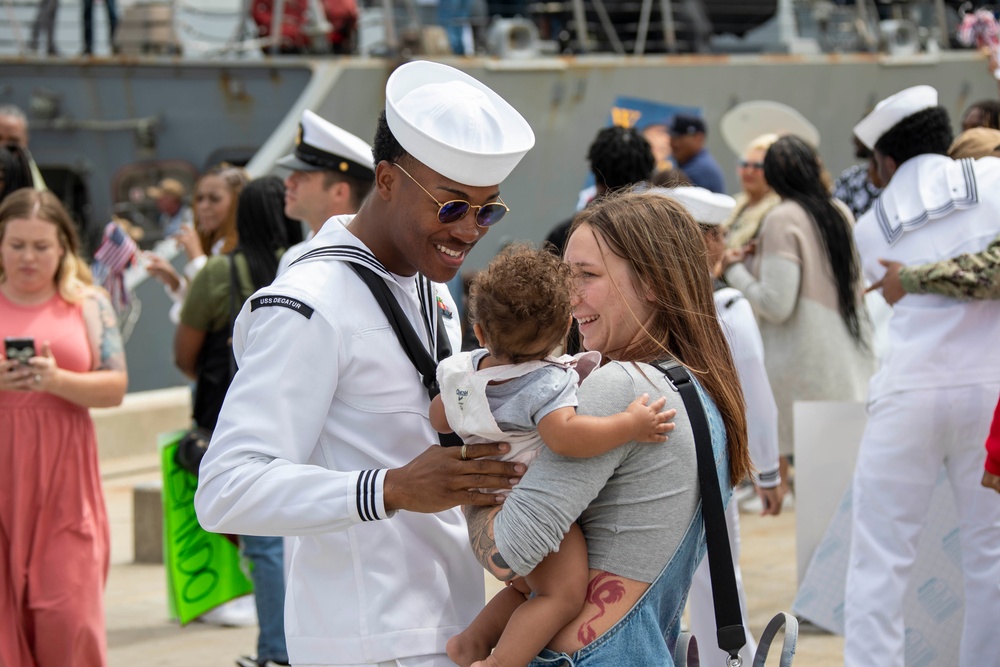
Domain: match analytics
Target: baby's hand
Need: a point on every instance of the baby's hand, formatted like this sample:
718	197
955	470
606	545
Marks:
649	424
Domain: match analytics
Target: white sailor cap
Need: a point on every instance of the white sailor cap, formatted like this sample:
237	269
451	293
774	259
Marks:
890	111
454	124
322	146
705	206
747	121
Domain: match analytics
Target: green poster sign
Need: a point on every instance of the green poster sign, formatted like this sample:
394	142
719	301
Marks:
203	569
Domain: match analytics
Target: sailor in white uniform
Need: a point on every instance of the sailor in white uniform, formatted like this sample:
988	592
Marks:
710	210
331	174
325	434
931	400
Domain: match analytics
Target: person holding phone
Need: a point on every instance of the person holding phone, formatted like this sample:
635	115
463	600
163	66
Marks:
54	536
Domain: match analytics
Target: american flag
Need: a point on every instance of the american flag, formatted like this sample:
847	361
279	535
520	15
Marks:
110	261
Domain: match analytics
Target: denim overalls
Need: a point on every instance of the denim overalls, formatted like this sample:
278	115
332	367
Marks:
646	635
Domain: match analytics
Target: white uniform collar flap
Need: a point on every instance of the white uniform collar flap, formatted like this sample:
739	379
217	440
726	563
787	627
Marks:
923	189
334	242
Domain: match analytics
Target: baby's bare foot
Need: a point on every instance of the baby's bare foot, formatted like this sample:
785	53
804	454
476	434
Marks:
465	650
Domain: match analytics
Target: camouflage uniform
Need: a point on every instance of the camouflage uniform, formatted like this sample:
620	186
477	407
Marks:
966	277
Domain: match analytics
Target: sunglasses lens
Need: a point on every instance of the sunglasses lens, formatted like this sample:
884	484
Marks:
452	211
491	214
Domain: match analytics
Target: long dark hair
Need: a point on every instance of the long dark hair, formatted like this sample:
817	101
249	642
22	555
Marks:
263	227
235	179
15	168
792	169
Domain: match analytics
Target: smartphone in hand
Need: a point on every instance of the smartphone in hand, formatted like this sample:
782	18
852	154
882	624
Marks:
19	350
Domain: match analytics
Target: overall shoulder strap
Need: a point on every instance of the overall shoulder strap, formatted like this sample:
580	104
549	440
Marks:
234	309
728	618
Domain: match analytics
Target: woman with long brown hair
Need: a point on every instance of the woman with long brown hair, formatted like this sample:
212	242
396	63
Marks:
643	296
216	194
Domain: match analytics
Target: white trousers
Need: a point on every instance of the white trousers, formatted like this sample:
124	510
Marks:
909	436
701	609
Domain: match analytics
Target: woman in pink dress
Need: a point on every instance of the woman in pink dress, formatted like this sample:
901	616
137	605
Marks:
54	538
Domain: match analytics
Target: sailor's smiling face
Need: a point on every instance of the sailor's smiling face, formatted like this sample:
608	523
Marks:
417	241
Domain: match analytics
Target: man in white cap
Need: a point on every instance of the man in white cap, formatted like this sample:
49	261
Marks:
331	174
710	210
325	434
931	400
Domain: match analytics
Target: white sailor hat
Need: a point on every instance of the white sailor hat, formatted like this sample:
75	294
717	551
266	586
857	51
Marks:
746	121
454	124
891	110
322	146
705	206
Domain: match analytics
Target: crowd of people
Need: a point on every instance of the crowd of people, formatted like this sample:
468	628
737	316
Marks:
574	474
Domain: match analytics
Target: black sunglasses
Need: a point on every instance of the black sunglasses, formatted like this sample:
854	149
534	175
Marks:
456	209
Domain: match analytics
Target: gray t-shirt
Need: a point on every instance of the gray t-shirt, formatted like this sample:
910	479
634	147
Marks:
519	404
634	503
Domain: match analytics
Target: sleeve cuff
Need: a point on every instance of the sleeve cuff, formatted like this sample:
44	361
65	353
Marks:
192	268
177	295
909	281
767	479
370	501
738	276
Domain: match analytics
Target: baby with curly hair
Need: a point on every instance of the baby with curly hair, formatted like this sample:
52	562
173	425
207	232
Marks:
512	390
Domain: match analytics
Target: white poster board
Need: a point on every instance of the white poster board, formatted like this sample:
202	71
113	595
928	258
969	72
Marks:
827	435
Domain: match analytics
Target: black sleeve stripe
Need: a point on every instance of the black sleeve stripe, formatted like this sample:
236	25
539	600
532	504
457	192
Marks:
770	476
366	495
360	484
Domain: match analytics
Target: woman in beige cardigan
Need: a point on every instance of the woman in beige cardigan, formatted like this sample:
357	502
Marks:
803	280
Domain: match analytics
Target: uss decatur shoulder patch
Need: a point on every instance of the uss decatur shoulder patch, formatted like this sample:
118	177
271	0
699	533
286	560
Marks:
283	301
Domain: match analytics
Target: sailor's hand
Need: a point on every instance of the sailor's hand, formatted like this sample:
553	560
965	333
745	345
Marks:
440	478
770	500
890	284
991	481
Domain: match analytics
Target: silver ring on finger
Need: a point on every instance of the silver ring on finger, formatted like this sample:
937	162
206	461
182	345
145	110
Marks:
38	378
465	453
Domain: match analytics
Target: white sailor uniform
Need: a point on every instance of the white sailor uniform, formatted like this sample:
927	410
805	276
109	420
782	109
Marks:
324	402
740	328
930	405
